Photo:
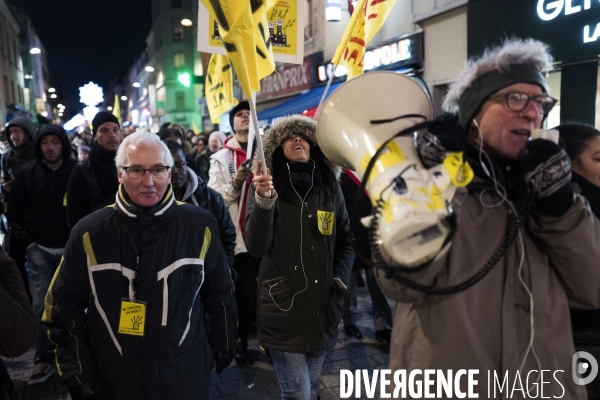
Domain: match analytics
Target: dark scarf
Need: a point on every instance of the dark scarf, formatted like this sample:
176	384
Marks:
301	176
102	162
590	191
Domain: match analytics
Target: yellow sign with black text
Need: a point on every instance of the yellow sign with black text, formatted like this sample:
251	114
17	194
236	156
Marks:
278	25
133	317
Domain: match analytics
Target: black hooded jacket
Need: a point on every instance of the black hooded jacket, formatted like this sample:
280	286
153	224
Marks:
15	157
93	185
37	210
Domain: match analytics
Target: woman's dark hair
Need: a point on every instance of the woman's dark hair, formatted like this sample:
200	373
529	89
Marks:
576	138
324	178
164	134
174	146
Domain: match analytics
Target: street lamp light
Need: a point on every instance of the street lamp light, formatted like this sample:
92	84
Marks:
149	69
51	90
109	108
186	22
53	96
35	50
136	84
124	98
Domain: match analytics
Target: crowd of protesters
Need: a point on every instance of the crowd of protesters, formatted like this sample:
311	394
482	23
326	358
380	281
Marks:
147	259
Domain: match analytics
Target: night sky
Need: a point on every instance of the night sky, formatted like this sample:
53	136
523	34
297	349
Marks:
89	40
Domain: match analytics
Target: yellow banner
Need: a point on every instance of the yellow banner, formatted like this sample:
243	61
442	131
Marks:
368	17
277	22
117	109
218	87
242	26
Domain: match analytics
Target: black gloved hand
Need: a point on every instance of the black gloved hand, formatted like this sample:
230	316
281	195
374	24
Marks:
444	134
223	359
95	388
546	169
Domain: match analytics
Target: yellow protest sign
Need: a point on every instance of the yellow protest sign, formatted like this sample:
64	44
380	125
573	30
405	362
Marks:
133	318
236	28
367	19
281	21
325	220
218	87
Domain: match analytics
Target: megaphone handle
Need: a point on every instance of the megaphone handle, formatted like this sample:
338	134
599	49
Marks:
259	145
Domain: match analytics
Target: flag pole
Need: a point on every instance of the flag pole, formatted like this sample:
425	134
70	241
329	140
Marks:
254	131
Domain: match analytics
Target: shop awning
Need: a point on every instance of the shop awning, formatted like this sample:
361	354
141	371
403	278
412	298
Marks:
297	104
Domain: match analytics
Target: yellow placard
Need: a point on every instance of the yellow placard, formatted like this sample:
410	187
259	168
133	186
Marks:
133	317
325	219
218	87
461	173
283	19
278	29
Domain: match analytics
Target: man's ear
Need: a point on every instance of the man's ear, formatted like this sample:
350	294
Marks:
120	174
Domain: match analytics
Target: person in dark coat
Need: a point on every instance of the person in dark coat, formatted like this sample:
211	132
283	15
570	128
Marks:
20	134
296	220
190	188
37	217
382	313
126	309
19	325
94	182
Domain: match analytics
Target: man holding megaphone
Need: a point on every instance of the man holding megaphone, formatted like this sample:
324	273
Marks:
520	215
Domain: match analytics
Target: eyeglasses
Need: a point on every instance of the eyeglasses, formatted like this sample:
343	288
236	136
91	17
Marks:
517	101
135	172
180	165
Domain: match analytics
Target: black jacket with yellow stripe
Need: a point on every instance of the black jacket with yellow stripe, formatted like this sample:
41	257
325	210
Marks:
183	274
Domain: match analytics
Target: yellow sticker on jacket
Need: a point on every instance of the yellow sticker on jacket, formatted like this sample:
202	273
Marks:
133	317
325	219
65	200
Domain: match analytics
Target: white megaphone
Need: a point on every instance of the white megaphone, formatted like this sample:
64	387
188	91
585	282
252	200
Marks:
414	201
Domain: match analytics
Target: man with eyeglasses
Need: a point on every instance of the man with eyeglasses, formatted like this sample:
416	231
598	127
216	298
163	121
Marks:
126	309
93	183
518	214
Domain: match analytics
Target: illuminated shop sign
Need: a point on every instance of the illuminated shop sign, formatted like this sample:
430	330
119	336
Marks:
393	55
548	10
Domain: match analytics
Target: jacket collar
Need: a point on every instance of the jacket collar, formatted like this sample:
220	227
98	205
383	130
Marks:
192	184
126	207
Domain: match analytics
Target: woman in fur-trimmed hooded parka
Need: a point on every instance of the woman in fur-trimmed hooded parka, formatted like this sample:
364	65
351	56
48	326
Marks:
297	222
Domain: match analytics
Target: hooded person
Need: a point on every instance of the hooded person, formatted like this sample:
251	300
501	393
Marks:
37	216
94	181
20	133
230	176
190	188
296	220
518	214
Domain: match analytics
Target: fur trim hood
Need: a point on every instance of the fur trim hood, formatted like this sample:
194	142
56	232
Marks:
287	127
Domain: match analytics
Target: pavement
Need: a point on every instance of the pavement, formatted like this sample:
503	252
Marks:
257	379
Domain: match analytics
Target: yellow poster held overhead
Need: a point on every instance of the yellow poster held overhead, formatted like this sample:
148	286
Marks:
236	29
366	21
281	21
218	87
